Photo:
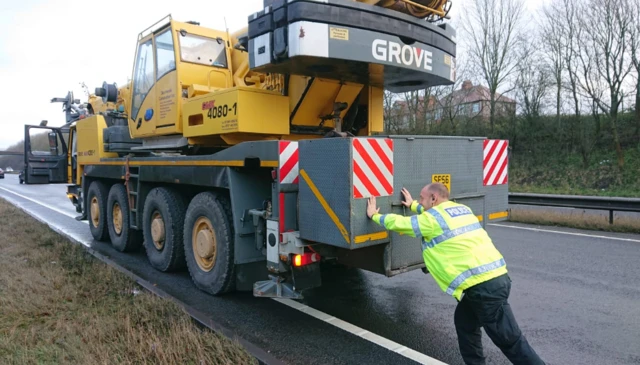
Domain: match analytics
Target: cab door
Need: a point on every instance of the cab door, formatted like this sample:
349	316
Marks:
156	90
45	155
142	120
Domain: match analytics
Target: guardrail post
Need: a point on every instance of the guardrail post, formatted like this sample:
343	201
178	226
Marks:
611	216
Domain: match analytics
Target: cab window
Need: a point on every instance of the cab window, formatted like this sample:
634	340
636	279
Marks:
45	143
165	53
203	50
143	78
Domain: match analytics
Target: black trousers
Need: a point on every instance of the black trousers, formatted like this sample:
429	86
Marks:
485	305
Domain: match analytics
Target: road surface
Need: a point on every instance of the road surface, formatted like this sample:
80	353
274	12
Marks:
574	293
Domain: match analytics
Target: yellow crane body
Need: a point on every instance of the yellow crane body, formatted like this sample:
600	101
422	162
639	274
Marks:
247	157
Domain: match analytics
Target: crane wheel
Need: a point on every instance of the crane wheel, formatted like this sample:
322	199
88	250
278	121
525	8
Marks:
123	237
97	210
208	243
162	225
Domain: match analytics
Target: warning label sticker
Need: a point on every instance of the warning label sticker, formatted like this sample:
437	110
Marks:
339	33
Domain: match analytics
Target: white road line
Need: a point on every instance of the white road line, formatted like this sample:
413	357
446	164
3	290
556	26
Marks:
40	203
567	233
362	333
357	331
60	230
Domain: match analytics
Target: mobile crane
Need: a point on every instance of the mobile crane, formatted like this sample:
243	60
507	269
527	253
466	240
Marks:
247	157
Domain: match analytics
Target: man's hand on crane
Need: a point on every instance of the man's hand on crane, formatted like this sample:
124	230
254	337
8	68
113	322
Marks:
371	204
407	198
371	207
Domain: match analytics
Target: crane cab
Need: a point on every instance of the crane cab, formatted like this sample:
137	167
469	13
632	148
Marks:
174	61
300	69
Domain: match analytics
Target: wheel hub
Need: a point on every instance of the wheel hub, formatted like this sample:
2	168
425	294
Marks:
95	212
204	244
117	218
157	231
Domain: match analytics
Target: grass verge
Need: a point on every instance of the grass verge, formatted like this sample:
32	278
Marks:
579	219
60	305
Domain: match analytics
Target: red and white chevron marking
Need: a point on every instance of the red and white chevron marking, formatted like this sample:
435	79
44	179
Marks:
288	172
372	167
495	162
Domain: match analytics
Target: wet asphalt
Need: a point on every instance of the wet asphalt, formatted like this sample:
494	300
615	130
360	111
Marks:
575	297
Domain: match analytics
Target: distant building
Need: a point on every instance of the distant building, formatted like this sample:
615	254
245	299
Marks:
474	101
406	111
470	102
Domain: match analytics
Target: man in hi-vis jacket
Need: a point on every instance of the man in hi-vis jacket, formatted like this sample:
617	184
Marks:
464	262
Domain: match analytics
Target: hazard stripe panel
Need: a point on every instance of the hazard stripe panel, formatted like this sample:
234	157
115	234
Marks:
288	172
372	167
495	163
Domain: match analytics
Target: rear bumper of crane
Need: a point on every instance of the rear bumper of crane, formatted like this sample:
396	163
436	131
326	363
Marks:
337	175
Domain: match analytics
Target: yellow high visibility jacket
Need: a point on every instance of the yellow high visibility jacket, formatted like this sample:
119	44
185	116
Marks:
457	251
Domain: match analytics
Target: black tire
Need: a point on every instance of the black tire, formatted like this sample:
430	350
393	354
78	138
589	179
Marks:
170	207
98	228
127	239
216	210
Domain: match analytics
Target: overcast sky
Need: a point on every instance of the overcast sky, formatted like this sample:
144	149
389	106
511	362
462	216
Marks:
49	47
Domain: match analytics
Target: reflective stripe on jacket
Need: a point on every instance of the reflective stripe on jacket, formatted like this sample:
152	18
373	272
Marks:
457	251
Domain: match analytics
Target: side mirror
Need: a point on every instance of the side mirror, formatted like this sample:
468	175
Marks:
243	44
53	141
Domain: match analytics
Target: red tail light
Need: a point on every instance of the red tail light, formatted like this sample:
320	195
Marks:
305	259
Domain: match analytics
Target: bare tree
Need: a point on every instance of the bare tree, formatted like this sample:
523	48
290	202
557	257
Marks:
532	80
410	106
449	110
634	49
392	113
552	45
604	58
493	29
403	111
416	106
450	99
567	11
427	116
587	76
565	14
